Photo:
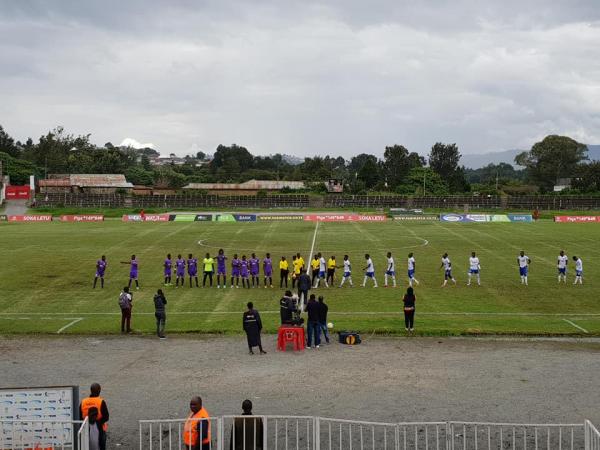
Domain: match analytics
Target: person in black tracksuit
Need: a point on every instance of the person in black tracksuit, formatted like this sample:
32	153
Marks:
304	286
409	309
323	310
287	308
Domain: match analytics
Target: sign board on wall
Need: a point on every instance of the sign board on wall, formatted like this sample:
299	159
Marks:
577	219
344	218
17	192
31	218
39	403
82	218
481	218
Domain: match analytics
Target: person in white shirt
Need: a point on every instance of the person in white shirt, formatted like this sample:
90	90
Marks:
447	265
523	261
322	271
390	271
561	265
578	270
474	268
369	271
412	266
347	272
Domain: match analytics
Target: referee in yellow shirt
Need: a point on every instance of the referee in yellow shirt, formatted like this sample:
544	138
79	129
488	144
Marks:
284	271
314	266
330	270
298	266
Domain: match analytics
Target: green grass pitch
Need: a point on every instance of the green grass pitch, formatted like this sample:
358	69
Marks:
47	271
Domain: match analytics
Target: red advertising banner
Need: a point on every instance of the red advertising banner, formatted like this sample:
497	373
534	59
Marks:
31	218
577	219
82	218
344	218
147	218
17	192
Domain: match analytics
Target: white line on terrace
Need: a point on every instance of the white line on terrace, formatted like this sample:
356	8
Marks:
576	326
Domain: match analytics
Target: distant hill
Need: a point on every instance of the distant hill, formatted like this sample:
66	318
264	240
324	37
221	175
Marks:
478	160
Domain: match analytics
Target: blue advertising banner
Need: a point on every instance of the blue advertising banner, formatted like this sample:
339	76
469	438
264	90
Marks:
204	217
245	217
520	217
480	218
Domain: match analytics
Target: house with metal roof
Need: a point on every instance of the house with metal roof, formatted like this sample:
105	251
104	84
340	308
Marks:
250	187
86	183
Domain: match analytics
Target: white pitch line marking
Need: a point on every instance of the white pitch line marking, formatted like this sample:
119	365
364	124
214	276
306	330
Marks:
339	313
312	248
73	322
576	326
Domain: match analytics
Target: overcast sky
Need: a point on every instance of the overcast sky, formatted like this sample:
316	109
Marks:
303	77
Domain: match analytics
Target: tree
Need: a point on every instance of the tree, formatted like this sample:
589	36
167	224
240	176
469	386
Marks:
553	158
200	156
420	177
137	175
589	178
7	144
444	159
167	178
369	174
235	152
397	162
357	162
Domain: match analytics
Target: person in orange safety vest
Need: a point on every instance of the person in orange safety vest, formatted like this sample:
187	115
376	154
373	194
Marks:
95	401
196	432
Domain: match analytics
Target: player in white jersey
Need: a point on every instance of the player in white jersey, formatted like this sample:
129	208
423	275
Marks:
561	265
523	261
447	265
390	271
322	271
578	270
369	271
347	272
474	268
412	266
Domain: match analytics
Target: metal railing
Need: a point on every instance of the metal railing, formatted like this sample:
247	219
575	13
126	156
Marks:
168	434
320	433
487	436
44	434
592	436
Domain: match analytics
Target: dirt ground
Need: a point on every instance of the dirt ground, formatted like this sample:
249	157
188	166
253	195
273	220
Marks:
384	379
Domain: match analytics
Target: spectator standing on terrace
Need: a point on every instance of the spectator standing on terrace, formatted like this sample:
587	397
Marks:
160	313
126	305
252	326
247	432
196	431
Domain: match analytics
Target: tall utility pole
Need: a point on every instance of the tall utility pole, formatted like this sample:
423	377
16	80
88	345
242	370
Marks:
424	175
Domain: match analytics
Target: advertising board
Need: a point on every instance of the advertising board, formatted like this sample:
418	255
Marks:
245	217
204	217
270	217
147	218
481	218
344	218
82	218
31	218
17	192
43	403
577	219
416	217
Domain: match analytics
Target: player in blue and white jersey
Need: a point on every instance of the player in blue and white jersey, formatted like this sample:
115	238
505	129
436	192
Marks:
447	265
322	271
561	264
578	270
390	271
474	268
369	271
347	272
412	267
523	261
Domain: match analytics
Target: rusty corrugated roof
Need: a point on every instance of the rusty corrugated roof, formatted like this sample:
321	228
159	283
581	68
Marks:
100	180
269	185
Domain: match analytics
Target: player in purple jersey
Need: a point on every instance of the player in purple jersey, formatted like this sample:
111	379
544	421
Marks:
235	271
100	268
221	269
168	266
268	269
254	264
179	271
244	272
192	268
133	271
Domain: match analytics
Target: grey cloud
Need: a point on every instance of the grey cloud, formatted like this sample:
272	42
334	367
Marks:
303	77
